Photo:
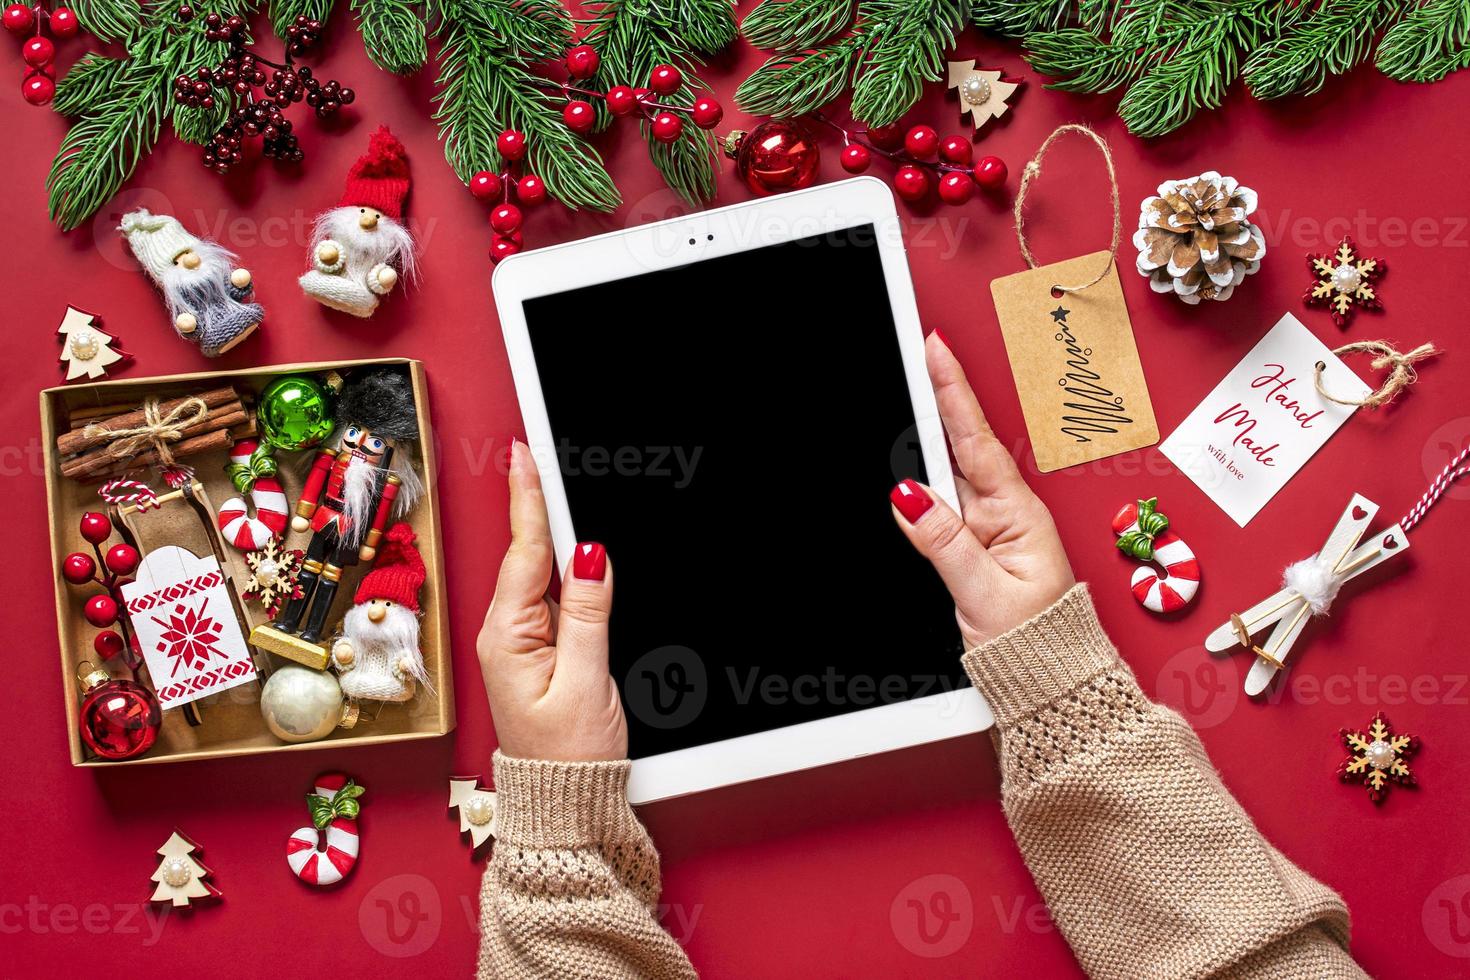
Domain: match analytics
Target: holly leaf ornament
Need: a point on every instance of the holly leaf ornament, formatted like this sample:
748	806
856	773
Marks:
1140	543
342	803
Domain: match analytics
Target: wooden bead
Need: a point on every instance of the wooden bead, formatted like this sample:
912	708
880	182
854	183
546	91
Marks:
186	323
240	278
300	524
388	277
327	253
342	653
189	259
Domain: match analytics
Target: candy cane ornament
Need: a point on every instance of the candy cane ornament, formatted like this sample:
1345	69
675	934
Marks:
326	852
272	511
1143	533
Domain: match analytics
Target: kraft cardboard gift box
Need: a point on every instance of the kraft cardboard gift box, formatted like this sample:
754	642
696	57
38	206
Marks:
231	722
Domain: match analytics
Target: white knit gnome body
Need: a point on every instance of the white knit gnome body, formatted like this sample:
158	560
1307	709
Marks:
377	655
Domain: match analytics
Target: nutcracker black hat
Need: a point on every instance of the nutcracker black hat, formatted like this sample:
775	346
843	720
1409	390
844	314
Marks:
380	401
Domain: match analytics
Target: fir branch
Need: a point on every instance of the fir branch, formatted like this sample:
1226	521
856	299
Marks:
905	45
801	82
1431	41
1017	17
394	34
109	20
283	13
90	80
1329	40
1194	76
791	25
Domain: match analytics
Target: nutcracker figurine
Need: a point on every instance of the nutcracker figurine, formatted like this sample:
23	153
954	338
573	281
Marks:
346	501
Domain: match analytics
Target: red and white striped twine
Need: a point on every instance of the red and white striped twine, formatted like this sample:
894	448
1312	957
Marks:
125	491
1454	470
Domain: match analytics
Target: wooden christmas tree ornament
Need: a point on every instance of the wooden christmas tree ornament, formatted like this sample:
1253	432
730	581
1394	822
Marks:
86	351
982	91
476	806
181	876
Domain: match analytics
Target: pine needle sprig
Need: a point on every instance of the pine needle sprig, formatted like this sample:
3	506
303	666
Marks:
1431	41
109	20
905	47
394	33
1014	18
799	82
283	13
1328	40
791	25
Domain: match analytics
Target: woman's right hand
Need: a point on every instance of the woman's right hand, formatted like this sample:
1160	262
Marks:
1000	556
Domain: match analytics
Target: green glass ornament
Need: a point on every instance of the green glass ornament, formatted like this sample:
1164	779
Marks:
295	412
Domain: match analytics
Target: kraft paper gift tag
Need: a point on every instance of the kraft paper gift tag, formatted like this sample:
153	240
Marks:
1075	362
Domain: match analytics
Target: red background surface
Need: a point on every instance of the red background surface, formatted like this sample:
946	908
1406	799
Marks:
794	876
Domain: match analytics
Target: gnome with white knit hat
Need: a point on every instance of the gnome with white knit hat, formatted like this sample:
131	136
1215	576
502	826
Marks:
206	292
361	247
377	655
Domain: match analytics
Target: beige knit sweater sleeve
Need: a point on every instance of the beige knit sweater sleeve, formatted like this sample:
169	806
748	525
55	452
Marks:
1148	865
573	883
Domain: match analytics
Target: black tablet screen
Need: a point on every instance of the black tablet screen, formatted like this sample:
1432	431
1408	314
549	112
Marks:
730	430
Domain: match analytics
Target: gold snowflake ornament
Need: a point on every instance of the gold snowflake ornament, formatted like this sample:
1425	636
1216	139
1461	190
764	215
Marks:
1378	759
1345	281
273	576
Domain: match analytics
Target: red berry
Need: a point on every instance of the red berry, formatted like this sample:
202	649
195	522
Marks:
666	127
530	190
100	611
38	51
503	248
956	187
665	79
506	218
990	172
911	182
38	88
856	158
107	644
956	149
122	559
485	185
621	100
18	18
511	144
64	22
582	61
706	113
921	142
579	116
885	137
95	527
77	568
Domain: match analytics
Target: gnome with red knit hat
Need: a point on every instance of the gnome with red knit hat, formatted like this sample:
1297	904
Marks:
377	656
361	247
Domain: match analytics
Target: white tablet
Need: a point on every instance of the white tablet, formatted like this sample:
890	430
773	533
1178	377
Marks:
725	400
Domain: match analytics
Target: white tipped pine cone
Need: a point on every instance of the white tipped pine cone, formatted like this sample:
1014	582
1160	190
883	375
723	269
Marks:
1193	239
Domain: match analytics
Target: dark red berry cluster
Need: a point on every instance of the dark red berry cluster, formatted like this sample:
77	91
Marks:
38	51
664	121
235	80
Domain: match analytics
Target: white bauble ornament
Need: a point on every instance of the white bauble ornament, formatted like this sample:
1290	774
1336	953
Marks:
302	705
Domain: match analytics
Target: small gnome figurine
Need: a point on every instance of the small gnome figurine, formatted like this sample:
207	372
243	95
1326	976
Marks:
206	293
360	247
377	655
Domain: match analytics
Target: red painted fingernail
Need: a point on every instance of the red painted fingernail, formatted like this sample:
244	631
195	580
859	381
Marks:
942	338
589	562
912	501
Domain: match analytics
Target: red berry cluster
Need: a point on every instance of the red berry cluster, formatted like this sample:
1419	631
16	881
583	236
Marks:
39	51
235	80
505	217
925	161
103	610
623	100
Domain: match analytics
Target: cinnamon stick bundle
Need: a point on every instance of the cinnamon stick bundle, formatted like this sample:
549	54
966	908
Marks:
218	439
190	442
80	440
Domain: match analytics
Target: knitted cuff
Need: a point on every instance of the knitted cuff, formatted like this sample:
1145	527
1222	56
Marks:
542	804
1053	653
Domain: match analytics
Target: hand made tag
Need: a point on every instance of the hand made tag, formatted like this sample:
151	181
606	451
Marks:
1075	363
1264	421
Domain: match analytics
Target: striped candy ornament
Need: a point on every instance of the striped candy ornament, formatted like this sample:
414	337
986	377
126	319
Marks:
272	511
1174	589
322	858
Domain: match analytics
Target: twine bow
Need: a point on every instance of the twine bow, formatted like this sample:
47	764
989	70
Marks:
156	432
1402	375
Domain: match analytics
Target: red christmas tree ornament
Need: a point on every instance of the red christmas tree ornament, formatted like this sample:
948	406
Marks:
779	155
118	718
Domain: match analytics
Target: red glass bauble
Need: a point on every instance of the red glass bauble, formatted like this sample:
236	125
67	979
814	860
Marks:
122	559
64	22
911	182
38	52
506	218
485	185
956	149
621	100
503	248
665	79
579	116
95	527
856	158
530	190
38	88
956	187
100	611
779	155
18	18
921	142
107	644
119	718
666	127
888	137
582	61
706	112
511	144
990	172
78	568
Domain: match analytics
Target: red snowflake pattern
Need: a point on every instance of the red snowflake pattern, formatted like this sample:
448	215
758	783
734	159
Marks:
190	637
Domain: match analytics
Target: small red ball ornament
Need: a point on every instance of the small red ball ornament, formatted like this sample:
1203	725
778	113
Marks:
888	137
119	718
706	113
38	88
78	568
530	190
856	158
95	527
503	248
505	219
485	185
18	18
666	127
100	611
579	116
778	155
956	149
511	144
990	172
911	182
122	559
621	100
64	23
38	52
921	142
582	61
665	79
108	644
956	187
